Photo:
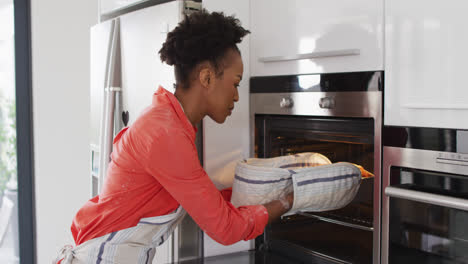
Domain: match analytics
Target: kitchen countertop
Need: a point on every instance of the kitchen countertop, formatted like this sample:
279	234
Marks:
244	257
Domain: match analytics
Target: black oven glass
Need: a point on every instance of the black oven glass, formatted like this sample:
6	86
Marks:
427	233
350	139
340	236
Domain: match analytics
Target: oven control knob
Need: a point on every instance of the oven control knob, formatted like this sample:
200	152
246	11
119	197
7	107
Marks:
286	102
327	102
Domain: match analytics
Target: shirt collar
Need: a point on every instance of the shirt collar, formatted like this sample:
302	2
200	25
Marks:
177	106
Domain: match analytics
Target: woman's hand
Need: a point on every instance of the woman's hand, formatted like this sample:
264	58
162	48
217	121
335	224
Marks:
279	207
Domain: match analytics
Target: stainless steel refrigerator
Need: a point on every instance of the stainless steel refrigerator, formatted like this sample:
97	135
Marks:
125	72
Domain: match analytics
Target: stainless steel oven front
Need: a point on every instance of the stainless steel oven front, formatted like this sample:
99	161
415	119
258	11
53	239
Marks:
339	116
425	205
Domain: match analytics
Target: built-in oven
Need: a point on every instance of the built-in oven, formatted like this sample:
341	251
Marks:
425	202
339	116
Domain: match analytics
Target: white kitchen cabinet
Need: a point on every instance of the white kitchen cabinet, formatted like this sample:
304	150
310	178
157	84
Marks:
426	52
311	36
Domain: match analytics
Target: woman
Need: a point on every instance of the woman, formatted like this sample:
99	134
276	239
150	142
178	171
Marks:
155	175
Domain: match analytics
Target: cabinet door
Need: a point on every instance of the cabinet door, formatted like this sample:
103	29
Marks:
311	36
426	51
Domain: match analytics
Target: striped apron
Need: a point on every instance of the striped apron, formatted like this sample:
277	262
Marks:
132	245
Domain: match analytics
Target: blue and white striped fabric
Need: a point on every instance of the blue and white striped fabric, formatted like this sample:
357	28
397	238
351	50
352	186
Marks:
318	185
325	188
132	245
259	181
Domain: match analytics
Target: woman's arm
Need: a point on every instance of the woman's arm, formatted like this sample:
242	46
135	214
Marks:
172	160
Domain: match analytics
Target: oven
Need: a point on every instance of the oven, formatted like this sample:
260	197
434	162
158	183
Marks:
339	116
425	203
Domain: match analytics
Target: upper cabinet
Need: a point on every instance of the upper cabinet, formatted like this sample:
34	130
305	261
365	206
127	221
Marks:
426	52
311	36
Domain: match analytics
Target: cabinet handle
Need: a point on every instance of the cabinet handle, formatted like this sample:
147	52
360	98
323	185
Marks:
436	106
313	55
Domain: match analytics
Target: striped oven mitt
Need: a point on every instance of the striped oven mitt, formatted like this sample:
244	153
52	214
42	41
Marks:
325	188
318	185
259	181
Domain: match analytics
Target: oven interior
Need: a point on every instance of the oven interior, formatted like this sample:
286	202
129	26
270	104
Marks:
339	236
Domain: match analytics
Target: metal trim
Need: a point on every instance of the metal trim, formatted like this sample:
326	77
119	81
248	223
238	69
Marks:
362	227
346	104
140	5
420	159
24	130
131	8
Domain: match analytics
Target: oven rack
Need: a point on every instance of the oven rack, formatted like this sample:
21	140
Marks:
352	222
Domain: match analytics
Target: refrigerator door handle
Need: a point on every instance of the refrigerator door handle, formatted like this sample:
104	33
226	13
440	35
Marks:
111	87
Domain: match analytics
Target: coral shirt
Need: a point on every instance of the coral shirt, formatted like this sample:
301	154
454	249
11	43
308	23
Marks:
154	169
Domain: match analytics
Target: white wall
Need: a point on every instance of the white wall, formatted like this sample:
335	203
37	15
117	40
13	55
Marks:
60	68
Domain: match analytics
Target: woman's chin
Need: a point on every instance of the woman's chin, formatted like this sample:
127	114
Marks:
219	120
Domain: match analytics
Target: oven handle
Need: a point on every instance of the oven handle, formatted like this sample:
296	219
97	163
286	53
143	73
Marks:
429	198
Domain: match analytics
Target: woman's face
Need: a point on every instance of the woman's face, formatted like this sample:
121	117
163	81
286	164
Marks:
224	93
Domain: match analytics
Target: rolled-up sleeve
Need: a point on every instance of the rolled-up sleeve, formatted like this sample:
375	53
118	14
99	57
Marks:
172	159
226	193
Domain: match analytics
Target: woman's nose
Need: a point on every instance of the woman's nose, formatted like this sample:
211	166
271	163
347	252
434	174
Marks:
236	96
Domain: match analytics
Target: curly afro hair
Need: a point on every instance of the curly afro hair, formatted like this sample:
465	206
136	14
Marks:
201	36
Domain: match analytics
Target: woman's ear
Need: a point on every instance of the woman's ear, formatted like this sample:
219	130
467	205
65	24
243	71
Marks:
206	76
